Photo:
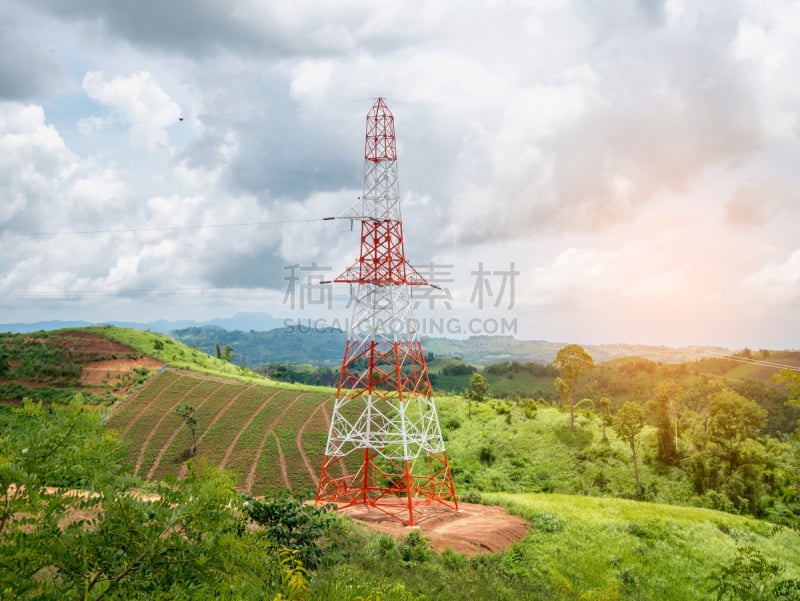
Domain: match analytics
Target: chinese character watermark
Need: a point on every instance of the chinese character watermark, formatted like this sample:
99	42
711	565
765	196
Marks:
483	285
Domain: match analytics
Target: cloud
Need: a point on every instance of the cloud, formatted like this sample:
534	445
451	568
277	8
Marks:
777	283
755	202
137	100
34	161
27	71
636	159
267	30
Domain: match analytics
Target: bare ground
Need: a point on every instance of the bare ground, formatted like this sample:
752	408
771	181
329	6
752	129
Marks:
471	530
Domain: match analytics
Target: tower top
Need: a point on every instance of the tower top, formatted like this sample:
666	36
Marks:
380	144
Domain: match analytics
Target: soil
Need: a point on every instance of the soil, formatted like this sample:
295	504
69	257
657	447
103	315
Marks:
108	371
104	362
471	530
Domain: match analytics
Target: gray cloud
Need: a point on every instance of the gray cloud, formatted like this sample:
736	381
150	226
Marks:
199	28
26	71
651	121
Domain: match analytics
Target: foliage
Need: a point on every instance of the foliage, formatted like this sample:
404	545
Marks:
572	361
628	424
186	413
102	541
752	576
663	411
292	525
733	421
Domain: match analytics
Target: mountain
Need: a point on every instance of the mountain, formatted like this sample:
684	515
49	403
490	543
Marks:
259	338
325	347
240	321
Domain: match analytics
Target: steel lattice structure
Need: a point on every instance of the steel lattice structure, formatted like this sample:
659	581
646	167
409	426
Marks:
385	447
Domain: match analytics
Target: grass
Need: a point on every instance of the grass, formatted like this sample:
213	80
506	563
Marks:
579	549
645	550
180	356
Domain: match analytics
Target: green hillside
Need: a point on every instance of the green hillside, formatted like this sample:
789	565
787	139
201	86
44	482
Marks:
584	549
269	438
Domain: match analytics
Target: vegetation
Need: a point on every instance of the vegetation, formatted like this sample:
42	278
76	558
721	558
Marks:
572	361
83	517
200	539
629	423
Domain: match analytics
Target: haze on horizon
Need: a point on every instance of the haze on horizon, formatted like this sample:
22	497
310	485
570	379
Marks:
632	164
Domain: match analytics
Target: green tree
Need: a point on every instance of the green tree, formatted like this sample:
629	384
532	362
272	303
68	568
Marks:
478	389
605	414
751	576
572	361
628	424
663	409
733	421
186	413
792	381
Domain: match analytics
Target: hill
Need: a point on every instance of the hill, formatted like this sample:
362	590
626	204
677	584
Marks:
269	438
324	347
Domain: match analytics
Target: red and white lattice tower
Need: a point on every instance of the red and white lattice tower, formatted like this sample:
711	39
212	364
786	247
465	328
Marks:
385	447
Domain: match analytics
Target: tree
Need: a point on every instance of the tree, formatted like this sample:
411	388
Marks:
628	423
186	413
733	420
663	413
605	414
753	576
478	389
572	361
792	381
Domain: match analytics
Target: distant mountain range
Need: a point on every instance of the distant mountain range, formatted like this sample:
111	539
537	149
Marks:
259	338
240	321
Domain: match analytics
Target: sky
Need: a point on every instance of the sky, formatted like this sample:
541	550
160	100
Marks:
588	172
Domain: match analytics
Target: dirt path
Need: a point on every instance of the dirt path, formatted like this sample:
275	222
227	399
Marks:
282	462
472	530
299	441
157	425
162	451
244	427
214	420
251	476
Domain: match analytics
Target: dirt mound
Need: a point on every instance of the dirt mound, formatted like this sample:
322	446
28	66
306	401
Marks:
89	346
113	371
470	530
104	363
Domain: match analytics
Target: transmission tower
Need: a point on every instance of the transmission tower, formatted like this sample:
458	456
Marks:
385	447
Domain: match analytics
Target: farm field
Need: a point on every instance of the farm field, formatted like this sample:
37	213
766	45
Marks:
269	438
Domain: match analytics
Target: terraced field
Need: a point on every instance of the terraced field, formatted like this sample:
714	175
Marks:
269	438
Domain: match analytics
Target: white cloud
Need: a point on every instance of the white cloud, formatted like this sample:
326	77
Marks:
777	283
138	101
635	160
34	162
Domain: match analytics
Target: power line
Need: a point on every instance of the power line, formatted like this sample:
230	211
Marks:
739	359
169	228
113	120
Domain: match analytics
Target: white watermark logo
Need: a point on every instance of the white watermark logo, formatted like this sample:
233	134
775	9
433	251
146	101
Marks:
429	326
